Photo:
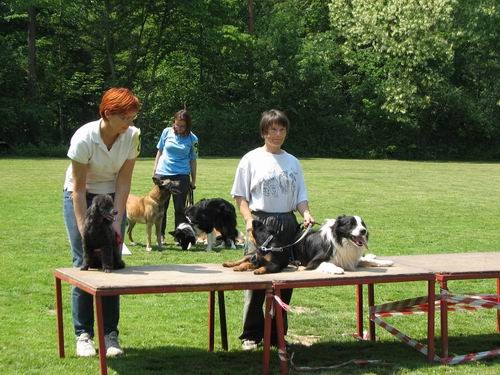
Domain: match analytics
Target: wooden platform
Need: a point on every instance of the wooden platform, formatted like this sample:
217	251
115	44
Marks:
452	263
214	277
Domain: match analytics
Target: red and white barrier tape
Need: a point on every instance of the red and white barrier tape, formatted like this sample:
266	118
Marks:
403	337
470	357
410	306
420	305
357	362
283	305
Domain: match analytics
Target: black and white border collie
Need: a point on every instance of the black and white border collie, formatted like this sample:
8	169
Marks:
337	246
206	216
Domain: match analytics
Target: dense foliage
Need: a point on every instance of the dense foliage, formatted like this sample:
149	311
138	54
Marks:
379	78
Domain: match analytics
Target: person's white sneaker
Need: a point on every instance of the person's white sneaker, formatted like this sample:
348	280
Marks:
247	345
113	348
85	346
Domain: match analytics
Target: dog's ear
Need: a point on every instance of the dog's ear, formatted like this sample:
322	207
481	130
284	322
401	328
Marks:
156	180
172	185
93	210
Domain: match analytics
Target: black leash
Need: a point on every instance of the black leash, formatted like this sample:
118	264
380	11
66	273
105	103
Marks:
190	197
264	249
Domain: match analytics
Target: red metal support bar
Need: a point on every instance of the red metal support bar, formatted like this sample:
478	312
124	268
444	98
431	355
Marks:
59	312
280	332
211	310
443	305
359	309
498	300
371	303
267	331
431	314
222	319
100	334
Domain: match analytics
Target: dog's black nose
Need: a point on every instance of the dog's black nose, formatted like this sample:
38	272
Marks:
363	232
114	212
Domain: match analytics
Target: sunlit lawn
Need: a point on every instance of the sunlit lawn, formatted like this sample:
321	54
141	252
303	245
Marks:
409	207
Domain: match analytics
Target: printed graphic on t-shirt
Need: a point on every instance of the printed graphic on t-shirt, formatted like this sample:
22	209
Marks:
195	147
277	185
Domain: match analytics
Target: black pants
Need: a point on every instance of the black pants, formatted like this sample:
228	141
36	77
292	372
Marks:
286	227
179	200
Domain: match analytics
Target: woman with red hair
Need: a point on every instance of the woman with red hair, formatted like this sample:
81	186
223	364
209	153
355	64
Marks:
103	154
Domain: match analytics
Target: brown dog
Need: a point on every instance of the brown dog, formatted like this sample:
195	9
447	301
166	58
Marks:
149	209
269	257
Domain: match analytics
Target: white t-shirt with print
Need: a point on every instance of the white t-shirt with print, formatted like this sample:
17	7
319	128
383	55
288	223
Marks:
270	182
87	147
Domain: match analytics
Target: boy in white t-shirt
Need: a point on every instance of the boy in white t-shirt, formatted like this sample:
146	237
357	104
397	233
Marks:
269	186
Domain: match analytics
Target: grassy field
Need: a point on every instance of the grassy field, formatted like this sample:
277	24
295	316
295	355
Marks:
409	207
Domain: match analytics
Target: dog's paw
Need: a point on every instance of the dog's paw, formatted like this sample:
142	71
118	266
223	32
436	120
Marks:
385	263
301	268
260	271
107	270
370	260
149	249
327	267
84	268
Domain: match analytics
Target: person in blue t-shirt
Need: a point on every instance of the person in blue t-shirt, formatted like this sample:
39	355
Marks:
176	160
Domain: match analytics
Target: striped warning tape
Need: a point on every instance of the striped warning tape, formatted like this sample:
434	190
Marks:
403	337
420	305
357	362
456	360
417	306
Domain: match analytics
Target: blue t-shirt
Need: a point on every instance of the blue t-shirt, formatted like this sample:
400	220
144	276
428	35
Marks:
177	151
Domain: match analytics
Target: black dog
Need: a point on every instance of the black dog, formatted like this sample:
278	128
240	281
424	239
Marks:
205	216
100	245
270	256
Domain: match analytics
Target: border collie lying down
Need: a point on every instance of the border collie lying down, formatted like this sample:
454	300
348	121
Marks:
337	246
206	216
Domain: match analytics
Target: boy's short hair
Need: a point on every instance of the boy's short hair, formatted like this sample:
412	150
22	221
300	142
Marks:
271	117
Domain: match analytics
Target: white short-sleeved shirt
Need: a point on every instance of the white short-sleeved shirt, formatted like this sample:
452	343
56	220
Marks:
88	148
270	182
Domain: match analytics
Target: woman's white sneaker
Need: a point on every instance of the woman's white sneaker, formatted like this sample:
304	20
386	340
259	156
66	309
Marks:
113	348
247	345
85	346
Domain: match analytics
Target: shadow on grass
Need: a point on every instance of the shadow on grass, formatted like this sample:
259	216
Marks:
394	357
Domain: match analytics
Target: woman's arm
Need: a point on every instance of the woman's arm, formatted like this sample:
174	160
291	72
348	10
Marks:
79	193
122	189
245	212
194	165
158	154
303	208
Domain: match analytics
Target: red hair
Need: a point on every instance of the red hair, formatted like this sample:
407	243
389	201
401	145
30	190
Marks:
118	100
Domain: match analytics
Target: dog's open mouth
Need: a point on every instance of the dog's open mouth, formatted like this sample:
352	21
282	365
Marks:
359	241
110	215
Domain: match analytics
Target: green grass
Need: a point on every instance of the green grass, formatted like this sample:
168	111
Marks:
410	208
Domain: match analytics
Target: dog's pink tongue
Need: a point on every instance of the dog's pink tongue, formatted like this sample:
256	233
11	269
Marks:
360	241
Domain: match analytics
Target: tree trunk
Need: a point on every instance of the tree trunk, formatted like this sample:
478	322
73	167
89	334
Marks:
32	79
250	16
108	39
